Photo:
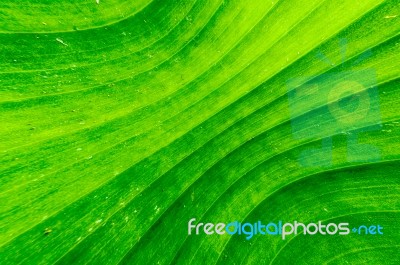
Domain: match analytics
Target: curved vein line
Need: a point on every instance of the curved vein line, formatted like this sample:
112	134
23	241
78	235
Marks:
300	179
329	219
359	250
325	194
114	22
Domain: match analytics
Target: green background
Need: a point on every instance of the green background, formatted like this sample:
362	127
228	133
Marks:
122	120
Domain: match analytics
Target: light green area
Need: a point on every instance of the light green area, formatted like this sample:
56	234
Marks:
122	120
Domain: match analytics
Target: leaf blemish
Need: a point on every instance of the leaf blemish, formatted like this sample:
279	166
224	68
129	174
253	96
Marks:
61	41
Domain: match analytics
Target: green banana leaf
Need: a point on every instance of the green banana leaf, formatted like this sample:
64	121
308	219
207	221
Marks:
123	120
